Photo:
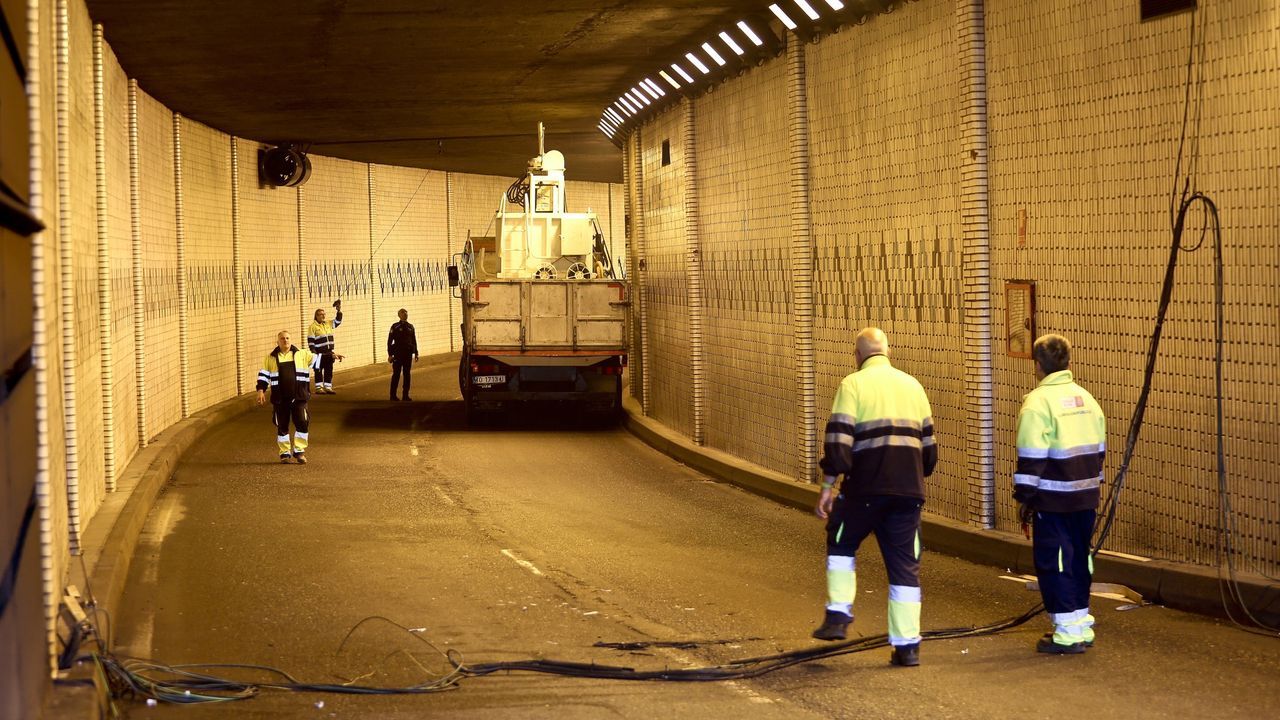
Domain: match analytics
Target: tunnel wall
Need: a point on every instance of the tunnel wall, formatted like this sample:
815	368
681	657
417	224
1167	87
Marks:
169	269
1083	125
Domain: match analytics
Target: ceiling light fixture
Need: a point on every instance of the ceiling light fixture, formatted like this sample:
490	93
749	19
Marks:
835	4
648	89
655	86
751	34
807	9
697	63
670	80
777	11
638	98
735	47
687	77
631	109
617	119
711	52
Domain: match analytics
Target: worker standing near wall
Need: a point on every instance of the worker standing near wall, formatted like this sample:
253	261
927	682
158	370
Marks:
320	342
880	438
287	373
1062	436
402	351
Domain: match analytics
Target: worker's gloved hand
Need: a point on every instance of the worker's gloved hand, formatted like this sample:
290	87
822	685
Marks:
337	304
1025	513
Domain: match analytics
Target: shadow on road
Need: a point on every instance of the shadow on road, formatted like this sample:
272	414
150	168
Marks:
451	416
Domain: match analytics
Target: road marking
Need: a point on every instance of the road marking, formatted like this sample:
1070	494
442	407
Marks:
443	495
522	563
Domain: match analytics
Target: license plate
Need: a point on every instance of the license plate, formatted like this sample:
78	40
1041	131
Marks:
489	379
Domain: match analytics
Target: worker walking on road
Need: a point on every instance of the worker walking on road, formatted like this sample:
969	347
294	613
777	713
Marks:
320	343
287	373
1062	442
402	351
880	438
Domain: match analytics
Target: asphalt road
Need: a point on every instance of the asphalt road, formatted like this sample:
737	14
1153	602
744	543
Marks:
538	538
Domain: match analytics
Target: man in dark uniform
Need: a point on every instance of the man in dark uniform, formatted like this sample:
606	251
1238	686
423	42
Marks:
402	350
286	372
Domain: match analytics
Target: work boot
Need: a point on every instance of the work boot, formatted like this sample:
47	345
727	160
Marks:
284	458
905	655
1047	645
1048	637
302	459
395	399
835	626
408	399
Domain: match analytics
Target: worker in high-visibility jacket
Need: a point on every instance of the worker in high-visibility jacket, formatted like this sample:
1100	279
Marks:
320	343
1062	442
880	438
287	374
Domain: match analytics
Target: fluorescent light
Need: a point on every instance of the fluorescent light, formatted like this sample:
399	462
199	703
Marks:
607	121
807	8
777	11
627	103
654	86
638	97
687	78
835	4
706	47
605	129
697	63
613	115
648	90
751	35
735	47
670	80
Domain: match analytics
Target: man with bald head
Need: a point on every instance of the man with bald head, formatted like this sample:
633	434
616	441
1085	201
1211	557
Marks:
880	438
1062	442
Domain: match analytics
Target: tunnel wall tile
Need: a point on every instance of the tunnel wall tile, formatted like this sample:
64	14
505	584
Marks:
336	229
745	236
84	241
160	272
1085	130
885	178
120	241
665	283
206	190
411	254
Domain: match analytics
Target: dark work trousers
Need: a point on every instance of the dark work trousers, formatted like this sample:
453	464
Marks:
281	414
1060	545
325	373
398	365
896	522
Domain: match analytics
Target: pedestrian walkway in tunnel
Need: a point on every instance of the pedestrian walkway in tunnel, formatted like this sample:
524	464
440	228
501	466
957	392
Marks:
539	538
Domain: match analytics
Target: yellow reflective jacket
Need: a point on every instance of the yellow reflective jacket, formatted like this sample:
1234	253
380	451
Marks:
1062	442
880	435
320	335
291	369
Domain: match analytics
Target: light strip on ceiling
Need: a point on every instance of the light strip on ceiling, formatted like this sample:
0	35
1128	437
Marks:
807	9
751	34
697	63
687	77
711	52
732	45
786	20
670	80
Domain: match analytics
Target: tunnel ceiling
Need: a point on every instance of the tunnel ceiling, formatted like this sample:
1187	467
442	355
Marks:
446	85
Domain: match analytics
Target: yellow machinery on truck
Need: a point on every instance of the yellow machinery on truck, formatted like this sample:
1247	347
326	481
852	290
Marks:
544	309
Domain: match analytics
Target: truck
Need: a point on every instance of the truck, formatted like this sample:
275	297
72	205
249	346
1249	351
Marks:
544	304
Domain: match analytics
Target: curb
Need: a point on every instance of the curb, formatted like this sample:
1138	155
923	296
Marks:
1177	585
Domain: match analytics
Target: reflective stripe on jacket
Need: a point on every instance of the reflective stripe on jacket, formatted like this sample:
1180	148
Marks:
1062	442
301	361
880	435
320	335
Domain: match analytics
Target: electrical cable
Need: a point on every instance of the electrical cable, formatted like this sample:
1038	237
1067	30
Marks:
181	684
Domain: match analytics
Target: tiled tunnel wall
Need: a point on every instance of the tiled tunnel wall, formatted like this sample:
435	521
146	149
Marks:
179	228
1083	128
